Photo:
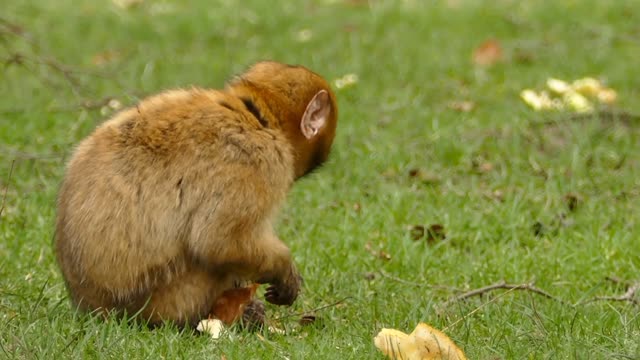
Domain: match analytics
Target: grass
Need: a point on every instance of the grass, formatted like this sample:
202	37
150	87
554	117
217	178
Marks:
488	176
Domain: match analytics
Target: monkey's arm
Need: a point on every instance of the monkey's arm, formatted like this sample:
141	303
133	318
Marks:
283	276
232	231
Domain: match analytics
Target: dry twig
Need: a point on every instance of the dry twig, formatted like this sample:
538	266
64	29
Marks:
630	295
504	286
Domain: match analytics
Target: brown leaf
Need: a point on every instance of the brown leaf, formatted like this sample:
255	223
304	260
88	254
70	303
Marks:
369	276
435	233
307	320
572	201
538	228
377	253
384	255
488	53
417	232
423	176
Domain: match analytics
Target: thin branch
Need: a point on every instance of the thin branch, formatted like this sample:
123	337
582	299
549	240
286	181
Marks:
629	295
6	188
502	285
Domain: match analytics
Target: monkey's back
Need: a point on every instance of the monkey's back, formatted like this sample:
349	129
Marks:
158	181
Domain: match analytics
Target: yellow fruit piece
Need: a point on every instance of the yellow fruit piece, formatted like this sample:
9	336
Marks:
424	343
214	327
577	102
587	86
607	96
531	98
558	86
540	101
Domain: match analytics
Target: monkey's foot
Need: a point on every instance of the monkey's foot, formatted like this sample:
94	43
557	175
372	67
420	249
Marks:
253	317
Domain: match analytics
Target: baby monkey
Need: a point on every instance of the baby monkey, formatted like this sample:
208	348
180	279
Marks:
170	204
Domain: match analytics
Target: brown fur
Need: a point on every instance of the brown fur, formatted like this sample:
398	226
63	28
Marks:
169	203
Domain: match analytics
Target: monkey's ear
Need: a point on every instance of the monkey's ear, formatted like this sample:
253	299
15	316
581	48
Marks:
316	115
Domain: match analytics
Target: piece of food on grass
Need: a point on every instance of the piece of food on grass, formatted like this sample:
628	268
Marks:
424	343
214	327
230	306
587	86
577	102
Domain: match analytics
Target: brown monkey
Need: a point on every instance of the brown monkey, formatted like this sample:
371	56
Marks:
170	203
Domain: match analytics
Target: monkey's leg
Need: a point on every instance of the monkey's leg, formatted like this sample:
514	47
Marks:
185	300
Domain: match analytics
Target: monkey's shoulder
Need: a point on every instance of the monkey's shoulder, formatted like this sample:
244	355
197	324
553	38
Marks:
186	128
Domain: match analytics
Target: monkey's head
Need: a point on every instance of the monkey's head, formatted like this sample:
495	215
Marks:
295	100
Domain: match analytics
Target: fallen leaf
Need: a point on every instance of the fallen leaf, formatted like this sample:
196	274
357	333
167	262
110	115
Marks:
435	233
307	320
369	276
417	232
488	53
572	201
384	255
424	343
538	228
423	176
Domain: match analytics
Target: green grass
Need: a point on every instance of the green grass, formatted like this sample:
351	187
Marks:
412	61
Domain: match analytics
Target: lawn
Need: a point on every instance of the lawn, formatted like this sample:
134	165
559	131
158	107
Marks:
427	139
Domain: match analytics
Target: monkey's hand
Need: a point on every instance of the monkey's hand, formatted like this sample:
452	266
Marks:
284	292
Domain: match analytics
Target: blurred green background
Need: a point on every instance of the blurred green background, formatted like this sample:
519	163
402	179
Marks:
432	135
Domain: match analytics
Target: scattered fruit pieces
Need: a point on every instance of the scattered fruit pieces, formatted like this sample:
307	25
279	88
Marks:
424	343
576	96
